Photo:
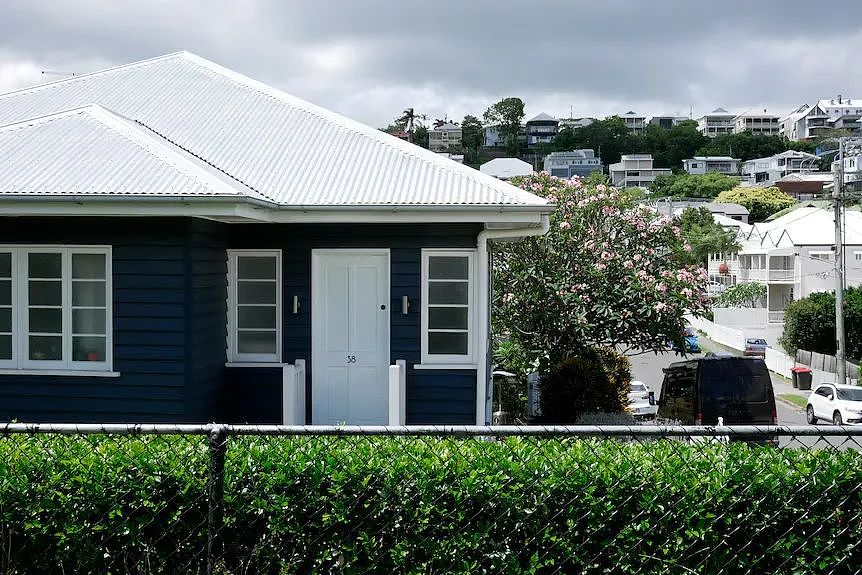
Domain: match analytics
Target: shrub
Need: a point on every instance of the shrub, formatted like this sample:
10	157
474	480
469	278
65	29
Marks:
598	380
809	323
751	294
428	505
760	202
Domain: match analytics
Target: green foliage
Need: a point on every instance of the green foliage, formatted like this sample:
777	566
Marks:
598	380
428	505
692	185
704	236
507	115
750	294
809	323
747	146
760	202
471	138
601	277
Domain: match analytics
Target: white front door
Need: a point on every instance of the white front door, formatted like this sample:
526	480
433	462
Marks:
350	337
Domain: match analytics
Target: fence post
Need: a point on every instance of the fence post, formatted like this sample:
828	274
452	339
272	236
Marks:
215	496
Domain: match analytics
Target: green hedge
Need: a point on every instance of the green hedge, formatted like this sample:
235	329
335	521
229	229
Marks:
428	505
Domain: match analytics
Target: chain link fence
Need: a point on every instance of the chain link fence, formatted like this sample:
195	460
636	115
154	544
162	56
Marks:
240	499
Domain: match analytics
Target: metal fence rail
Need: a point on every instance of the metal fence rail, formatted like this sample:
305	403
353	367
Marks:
110	498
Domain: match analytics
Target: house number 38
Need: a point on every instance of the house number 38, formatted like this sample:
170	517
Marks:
351	359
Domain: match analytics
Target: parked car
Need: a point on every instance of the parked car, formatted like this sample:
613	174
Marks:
755	346
840	404
698	392
692	344
641	400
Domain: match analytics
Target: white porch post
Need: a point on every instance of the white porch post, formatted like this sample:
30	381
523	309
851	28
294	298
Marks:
398	393
288	395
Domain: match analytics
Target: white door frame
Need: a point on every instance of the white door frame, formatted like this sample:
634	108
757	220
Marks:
316	303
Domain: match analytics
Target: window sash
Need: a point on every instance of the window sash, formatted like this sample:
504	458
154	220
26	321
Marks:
21	307
470	306
240	313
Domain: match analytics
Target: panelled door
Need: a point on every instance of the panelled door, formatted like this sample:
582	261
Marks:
350	337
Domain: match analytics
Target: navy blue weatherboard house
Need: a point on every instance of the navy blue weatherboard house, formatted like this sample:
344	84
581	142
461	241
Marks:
180	243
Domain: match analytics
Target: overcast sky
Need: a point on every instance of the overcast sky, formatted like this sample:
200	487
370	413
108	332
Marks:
370	59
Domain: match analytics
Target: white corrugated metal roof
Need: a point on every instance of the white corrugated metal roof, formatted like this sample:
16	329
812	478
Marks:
286	149
506	168
91	151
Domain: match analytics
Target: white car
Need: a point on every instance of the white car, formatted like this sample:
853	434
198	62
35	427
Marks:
639	400
840	404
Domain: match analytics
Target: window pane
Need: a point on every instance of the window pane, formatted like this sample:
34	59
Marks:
256	292
447	292
5	320
5	292
256	267
45	293
46	320
88	321
5	347
44	265
256	317
88	266
45	347
88	348
256	342
88	293
448	267
447	343
5	265
447	318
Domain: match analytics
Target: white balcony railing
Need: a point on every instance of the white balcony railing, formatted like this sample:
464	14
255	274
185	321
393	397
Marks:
746	274
776	316
781	275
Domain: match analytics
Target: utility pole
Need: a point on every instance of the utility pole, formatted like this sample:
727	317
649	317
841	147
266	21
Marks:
837	195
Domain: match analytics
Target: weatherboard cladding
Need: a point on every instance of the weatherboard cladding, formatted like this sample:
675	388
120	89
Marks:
150	307
170	288
433	396
290	151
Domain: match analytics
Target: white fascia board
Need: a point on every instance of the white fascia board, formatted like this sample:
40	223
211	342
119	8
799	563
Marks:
254	211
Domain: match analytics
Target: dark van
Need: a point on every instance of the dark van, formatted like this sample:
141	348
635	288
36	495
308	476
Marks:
700	391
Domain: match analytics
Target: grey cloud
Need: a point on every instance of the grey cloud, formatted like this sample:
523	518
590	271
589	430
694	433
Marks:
357	56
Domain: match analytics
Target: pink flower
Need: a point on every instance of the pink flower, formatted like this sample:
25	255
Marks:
676	231
565	225
628	264
660	306
507	297
638	257
686	292
601	188
687	247
661	286
600	266
607	256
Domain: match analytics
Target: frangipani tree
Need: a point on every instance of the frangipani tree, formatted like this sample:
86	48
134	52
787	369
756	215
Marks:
605	275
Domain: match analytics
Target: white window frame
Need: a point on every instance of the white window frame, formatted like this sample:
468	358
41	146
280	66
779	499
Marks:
450	359
20	362
830	256
233	355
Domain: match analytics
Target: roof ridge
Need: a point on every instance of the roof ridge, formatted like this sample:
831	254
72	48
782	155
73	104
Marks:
95	73
350	124
136	132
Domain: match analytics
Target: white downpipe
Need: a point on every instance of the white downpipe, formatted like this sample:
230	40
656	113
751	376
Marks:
293	393
484	390
397	392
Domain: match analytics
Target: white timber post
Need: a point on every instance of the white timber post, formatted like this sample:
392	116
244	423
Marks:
402	391
300	391
397	380
288	395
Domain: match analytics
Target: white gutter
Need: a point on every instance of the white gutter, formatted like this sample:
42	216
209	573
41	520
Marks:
484	383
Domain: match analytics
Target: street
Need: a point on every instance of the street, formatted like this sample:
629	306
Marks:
648	369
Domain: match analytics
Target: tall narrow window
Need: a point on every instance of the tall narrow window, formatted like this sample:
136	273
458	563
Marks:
55	308
6	309
254	315
448	306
